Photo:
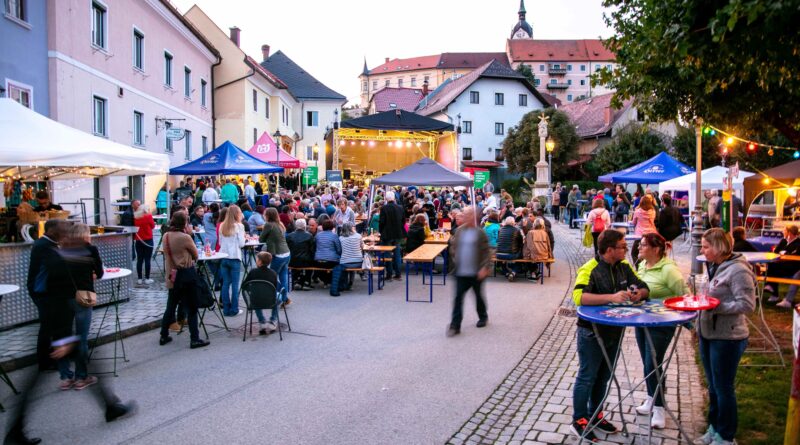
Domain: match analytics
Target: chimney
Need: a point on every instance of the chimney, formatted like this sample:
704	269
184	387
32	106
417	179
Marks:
235	35
386	60
265	52
425	89
607	115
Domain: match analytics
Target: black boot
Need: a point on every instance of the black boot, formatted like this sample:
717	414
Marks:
17	435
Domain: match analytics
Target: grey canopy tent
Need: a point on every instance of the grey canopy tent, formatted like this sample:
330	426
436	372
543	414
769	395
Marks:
424	172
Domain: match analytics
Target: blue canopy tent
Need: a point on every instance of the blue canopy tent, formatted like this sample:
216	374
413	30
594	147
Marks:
659	168
227	159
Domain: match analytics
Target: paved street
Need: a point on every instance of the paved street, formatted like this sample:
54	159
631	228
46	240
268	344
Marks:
359	369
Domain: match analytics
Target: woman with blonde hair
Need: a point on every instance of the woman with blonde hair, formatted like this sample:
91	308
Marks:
644	221
231	242
537	246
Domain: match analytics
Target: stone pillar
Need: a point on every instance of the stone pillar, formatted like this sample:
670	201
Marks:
541	186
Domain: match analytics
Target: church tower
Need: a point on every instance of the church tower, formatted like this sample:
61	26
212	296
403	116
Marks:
522	30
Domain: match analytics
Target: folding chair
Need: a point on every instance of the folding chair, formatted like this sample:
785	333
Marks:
261	294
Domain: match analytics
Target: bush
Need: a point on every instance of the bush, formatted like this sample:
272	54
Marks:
512	186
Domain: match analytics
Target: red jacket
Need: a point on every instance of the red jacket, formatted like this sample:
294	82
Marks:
146	225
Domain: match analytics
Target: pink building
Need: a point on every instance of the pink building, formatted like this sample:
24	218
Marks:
127	71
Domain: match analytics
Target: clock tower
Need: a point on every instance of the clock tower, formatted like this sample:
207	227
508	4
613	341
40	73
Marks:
522	30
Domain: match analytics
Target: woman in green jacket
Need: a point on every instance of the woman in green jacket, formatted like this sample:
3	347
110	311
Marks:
665	281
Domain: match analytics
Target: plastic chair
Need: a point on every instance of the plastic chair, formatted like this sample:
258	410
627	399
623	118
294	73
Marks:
261	294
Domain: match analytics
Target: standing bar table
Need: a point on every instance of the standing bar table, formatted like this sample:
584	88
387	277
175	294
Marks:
203	270
7	289
642	315
112	274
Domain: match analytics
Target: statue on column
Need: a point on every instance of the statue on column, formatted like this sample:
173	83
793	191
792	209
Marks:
541	186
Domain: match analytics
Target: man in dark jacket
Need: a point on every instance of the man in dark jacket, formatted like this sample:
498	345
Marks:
263	272
390	225
301	246
509	246
605	279
670	220
43	253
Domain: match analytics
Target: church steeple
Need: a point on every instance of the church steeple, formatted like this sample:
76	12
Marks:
365	70
522	10
522	30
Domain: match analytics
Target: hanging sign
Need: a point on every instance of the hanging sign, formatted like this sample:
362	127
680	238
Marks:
310	175
175	134
480	179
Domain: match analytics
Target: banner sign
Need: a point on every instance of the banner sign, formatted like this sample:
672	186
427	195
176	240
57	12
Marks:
333	175
480	179
175	134
310	175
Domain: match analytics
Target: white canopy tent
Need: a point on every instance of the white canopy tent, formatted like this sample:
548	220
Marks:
711	178
32	144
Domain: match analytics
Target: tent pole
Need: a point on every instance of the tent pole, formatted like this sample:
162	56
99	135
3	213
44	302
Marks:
472	203
371	198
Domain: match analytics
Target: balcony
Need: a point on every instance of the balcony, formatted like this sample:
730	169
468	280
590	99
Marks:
556	71
557	86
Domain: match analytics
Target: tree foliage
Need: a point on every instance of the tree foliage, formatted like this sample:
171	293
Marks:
521	145
733	63
633	144
526	71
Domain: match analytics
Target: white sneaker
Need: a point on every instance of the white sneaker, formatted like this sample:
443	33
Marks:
270	326
644	408
708	437
658	418
139	281
148	281
719	441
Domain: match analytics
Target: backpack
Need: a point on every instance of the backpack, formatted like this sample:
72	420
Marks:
598	225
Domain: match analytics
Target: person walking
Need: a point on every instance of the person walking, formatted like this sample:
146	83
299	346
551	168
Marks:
43	251
644	221
180	254
390	225
231	242
664	280
723	331
555	202
602	280
469	248
143	242
599	220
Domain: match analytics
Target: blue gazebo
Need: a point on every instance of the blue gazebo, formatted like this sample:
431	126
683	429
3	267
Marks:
661	167
227	159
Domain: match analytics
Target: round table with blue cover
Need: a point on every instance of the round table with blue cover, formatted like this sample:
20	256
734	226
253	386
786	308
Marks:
644	315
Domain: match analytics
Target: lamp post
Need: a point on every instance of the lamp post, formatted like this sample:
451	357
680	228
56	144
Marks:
277	137
550	145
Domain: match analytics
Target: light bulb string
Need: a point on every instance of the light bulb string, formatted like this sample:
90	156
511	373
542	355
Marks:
762	173
748	141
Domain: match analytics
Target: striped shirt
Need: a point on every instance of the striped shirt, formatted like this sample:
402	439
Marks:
351	249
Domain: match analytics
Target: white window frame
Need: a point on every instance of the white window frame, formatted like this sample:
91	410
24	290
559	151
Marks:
314	115
203	93
133	49
502	129
477	96
168	80
20	86
168	147
467	127
569	97
583	82
22	18
583	68
187	82
537	82
255	100
523	98
374	85
400	82
464	153
204	143
569	67
499	99
140	141
105	115
387	83
187	140
266	108
104	6
413	82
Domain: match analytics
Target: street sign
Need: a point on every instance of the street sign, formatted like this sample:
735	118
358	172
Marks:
310	175
175	134
333	175
480	179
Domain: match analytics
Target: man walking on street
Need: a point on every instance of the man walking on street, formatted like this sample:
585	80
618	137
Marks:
390	225
470	252
42	253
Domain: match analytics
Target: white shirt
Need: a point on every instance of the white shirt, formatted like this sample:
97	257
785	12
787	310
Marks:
210	195
490	203
232	245
250	192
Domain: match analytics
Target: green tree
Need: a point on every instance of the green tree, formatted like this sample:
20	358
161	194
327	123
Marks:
685	148
633	144
526	71
731	62
521	145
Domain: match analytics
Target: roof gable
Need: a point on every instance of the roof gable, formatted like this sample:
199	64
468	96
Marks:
396	98
589	115
413	63
299	82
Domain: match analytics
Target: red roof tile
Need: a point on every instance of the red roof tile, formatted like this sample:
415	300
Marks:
469	60
588	115
413	63
558	50
402	98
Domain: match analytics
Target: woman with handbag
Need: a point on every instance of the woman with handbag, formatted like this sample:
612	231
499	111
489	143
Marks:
180	253
143	241
83	266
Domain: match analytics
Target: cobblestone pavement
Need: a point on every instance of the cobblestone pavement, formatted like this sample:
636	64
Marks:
533	405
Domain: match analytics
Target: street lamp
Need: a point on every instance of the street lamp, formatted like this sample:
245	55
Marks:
550	145
277	137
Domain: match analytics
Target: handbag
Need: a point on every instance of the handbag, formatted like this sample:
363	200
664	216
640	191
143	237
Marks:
173	273
366	264
85	298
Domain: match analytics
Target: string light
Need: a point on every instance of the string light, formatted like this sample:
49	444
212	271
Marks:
796	154
730	139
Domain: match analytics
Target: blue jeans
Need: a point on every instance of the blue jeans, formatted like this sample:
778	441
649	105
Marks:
593	372
720	361
509	267
397	258
281	267
83	320
661	337
339	280
229	270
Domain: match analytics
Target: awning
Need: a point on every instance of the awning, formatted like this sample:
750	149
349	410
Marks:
426	171
481	164
397	120
265	150
227	159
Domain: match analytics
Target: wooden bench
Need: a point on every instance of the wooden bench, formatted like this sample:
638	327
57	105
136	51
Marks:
378	269
548	261
778	280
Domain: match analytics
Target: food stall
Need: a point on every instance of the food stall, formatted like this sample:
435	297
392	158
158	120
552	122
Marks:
39	149
773	195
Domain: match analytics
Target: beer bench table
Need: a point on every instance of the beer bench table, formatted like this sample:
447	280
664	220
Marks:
426	254
378	269
548	261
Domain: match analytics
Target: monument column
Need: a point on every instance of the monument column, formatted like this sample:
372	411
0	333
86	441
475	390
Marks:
541	186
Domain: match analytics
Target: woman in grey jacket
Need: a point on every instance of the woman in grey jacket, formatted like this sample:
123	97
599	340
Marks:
723	331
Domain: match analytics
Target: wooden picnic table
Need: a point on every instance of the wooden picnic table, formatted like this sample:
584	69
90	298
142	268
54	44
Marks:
426	254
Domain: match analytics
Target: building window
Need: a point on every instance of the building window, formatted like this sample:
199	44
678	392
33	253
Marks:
499	99
266	107
20	93
255	135
168	144
498	155
556	66
138	49
386	83
569	81
187	136
583	67
203	85
466	153
99	25
569	97
400	83
312	119
608	66
17	9
536	82
204	144
255	100
499	129
553	81
541	68
569	67
413	82
364	86
374	85
468	127
597	67
474	97
138	128
167	69
426	78
523	100
583	82
187	82
100	116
